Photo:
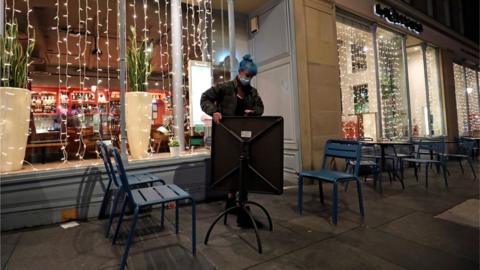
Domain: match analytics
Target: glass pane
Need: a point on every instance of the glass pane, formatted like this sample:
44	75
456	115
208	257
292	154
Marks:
460	99
357	80
435	93
416	81
392	85
473	108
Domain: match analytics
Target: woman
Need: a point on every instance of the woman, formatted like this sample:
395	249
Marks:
234	98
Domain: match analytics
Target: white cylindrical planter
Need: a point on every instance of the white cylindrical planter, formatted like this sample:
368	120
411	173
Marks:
174	151
138	110
14	123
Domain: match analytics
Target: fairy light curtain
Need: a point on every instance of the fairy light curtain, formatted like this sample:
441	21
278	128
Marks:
391	73
460	97
357	79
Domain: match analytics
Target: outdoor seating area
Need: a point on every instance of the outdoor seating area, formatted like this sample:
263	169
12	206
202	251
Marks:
401	230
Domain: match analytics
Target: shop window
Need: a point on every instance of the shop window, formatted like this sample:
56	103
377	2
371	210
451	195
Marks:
357	79
460	96
473	106
425	93
467	98
75	86
391	72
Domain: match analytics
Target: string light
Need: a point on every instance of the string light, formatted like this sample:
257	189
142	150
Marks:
168	49
160	42
194	29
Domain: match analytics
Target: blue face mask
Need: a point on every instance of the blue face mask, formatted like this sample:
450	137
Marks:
244	81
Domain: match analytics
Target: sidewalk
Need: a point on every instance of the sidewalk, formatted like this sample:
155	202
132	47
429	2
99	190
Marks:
400	231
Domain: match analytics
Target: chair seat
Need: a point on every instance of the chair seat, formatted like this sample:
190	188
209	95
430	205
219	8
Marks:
371	156
158	194
421	160
142	178
363	163
328	175
403	156
456	155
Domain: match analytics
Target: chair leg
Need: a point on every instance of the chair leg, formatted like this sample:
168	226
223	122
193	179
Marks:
444	168
426	174
320	192
461	165
335	203
360	198
416	171
470	162
194	228
162	218
300	195
130	238
176	217
114	240
401	170
114	209
106	197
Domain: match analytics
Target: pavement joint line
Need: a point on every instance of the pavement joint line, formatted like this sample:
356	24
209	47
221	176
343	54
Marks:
423	245
301	248
13	250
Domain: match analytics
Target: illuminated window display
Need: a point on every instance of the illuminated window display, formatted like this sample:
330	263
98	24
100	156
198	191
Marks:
357	80
473	106
75	75
426	102
391	72
467	98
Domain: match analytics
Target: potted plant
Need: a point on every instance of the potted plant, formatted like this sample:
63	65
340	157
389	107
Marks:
14	98
138	103
174	146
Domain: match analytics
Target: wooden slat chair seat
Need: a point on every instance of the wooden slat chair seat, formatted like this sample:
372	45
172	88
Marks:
146	197
342	149
135	180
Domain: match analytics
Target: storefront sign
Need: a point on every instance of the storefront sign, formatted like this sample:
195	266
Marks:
393	16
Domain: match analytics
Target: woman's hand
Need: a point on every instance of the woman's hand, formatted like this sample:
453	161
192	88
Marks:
217	117
249	112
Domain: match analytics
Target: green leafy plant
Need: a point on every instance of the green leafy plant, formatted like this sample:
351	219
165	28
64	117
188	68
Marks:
14	60
139	61
173	143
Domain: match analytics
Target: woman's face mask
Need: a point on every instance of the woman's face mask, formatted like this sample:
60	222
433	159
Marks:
245	81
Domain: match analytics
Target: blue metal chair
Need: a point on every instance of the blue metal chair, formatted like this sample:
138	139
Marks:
465	151
135	180
369	164
147	197
433	147
348	150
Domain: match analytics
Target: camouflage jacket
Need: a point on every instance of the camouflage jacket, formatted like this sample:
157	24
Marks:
222	98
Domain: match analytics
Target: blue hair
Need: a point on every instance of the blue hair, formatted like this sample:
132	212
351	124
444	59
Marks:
248	65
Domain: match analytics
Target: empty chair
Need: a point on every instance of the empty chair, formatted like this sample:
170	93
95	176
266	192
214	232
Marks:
342	149
465	151
436	149
135	180
147	197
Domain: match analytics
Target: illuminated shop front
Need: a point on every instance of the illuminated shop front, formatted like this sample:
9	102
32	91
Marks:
390	82
467	100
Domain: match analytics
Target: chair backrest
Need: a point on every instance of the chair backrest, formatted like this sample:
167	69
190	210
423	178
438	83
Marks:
104	153
436	145
344	149
466	146
121	171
